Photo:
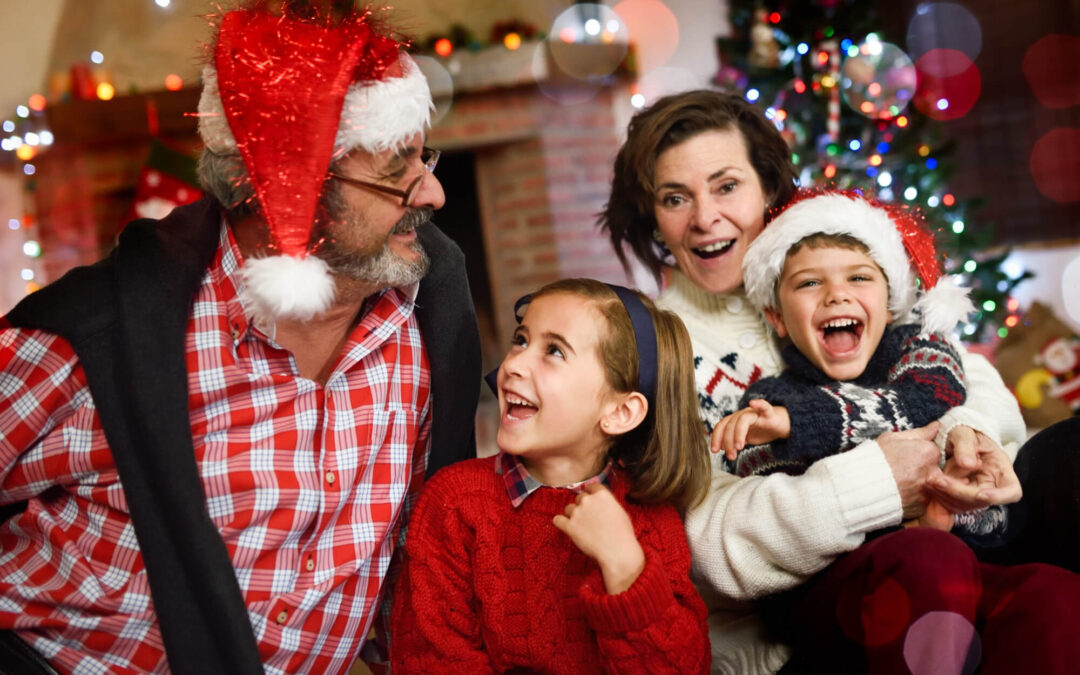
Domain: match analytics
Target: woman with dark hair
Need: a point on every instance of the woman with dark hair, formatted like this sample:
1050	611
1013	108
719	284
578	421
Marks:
693	185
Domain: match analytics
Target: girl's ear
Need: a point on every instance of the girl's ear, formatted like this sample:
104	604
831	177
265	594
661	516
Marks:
777	320
629	411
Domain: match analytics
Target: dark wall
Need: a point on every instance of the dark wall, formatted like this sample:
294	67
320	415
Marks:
995	140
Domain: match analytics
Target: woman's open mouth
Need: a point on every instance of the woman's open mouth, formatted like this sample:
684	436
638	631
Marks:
713	250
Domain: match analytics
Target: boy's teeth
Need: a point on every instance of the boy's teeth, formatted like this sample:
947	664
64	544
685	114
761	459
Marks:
514	400
840	323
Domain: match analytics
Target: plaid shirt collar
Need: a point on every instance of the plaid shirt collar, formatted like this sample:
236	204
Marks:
520	484
228	283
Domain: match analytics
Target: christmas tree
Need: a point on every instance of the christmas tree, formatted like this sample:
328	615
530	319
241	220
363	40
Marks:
860	113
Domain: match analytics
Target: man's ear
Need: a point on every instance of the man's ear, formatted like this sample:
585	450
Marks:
628	412
777	320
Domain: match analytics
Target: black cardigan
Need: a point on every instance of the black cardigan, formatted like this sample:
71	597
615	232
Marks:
126	318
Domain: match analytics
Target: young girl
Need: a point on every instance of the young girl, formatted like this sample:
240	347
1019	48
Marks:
565	553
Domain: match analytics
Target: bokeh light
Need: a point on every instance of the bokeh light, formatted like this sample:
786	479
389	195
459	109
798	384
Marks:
880	82
1070	281
943	25
653	30
512	41
105	91
37	102
1050	68
949	84
558	89
174	82
1055	165
443	47
25	152
581	25
879	618
441	84
942	642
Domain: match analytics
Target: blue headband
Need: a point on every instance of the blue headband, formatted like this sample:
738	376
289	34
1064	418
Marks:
644	335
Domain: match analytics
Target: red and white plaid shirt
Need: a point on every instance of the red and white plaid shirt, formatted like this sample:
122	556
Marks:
306	483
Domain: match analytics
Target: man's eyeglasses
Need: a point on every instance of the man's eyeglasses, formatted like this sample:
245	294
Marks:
428	156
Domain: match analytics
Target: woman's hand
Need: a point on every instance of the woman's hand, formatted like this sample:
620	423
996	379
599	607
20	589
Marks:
977	474
599	527
913	456
761	422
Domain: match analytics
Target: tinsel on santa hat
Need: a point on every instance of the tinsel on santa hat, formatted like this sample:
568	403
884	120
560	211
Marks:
896	237
290	90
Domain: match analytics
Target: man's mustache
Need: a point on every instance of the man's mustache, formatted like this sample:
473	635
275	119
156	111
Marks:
412	219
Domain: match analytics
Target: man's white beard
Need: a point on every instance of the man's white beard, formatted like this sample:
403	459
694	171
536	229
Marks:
383	268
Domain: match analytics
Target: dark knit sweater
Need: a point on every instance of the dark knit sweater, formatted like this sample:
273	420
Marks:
910	381
489	588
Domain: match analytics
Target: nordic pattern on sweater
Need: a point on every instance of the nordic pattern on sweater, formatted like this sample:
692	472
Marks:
910	381
489	588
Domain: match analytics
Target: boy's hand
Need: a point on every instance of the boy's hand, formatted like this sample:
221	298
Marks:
761	422
935	516
599	527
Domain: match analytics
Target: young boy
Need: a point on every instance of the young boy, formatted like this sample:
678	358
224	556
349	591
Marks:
836	274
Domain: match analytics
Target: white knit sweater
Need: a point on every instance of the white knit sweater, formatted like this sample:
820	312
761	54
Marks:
759	535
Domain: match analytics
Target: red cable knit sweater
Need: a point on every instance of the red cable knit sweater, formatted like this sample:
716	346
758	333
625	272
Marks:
489	588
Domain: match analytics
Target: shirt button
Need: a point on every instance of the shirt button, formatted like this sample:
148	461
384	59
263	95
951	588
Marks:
330	477
734	305
309	565
747	339
282	616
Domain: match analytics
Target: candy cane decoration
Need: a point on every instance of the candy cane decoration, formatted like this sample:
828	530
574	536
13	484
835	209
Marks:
832	122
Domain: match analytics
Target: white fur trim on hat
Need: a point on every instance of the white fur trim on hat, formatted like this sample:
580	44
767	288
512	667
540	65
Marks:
376	116
287	287
830	214
384	114
940	308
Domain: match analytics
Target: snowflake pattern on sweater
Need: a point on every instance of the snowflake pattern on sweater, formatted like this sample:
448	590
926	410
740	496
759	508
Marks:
910	381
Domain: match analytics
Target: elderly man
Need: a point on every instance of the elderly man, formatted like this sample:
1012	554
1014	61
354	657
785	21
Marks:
214	436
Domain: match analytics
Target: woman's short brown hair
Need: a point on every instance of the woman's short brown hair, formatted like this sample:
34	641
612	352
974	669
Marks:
628	216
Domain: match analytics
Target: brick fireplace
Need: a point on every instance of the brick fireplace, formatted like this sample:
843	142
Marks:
542	172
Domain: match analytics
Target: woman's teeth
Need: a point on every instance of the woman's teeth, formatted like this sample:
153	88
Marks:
713	250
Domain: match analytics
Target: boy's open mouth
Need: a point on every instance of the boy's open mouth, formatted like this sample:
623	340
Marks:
713	250
518	408
841	336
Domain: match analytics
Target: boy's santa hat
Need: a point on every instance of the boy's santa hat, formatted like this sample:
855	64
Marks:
291	91
897	239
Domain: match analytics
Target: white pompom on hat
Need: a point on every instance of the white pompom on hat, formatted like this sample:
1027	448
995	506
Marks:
897	239
291	94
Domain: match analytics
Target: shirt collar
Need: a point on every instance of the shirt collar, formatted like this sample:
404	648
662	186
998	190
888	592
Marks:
226	276
520	483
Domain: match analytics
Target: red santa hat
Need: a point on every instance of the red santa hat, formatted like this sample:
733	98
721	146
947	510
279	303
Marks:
896	237
290	92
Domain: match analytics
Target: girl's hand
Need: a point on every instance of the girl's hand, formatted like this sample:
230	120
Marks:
761	422
599	527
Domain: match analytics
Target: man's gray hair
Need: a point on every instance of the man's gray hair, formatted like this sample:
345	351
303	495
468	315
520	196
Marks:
226	177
